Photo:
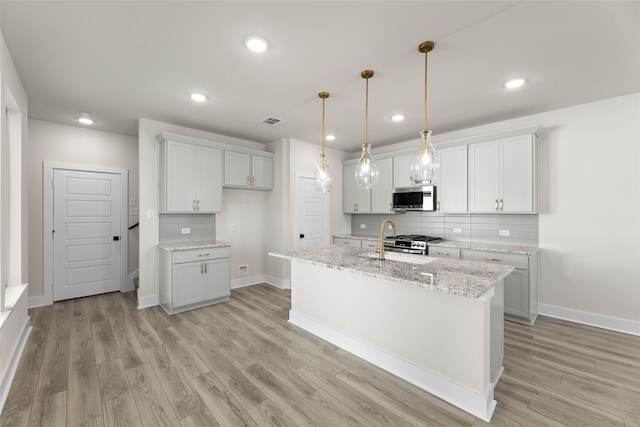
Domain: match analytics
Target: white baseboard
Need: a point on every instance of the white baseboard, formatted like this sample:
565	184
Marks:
39	301
130	285
150	301
591	319
278	283
480	405
247	281
13	365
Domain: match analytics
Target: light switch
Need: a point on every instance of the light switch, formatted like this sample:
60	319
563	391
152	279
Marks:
363	225
186	231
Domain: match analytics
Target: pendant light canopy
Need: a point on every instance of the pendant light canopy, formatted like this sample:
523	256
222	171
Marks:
366	170
425	162
323	178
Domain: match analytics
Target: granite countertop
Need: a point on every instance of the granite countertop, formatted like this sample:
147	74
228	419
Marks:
491	247
358	236
193	245
464	278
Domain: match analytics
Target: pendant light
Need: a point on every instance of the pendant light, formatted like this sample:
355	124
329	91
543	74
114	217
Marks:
366	170
323	178
425	162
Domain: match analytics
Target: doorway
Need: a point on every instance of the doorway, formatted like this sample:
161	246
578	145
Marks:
312	228
85	231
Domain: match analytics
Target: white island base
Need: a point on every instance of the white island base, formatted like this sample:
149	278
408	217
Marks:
449	345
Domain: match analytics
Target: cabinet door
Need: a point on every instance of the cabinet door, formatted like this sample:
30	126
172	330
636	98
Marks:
382	193
188	283
237	169
517	174
516	293
217	279
484	176
402	171
343	241
180	179
452	185
262	173
354	200
209	172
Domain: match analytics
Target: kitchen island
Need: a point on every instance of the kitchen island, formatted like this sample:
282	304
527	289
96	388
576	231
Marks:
437	323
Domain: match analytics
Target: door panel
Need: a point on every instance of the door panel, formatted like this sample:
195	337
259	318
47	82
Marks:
86	217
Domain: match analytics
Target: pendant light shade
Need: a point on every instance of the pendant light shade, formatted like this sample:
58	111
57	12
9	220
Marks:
366	170
425	162
323	178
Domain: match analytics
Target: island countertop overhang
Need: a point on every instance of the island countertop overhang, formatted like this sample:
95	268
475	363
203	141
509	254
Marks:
463	278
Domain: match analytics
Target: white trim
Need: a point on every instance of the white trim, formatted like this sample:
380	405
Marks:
13	365
131	285
47	209
248	281
591	319
480	405
150	301
278	283
39	301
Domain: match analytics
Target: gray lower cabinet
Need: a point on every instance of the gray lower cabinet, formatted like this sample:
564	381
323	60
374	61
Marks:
444	252
346	241
194	278
520	287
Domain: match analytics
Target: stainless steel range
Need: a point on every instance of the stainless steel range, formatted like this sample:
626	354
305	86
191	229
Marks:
410	243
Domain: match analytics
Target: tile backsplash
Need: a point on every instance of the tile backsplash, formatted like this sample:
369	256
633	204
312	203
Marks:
473	228
202	227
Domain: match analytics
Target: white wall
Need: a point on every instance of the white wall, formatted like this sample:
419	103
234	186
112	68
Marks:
243	208
74	145
589	209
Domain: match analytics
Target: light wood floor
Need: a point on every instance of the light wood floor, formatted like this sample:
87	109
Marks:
99	361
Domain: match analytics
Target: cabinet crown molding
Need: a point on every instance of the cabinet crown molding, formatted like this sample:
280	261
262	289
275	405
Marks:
168	136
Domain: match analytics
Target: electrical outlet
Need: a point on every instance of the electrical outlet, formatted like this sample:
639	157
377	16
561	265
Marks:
505	232
389	227
133	203
363	225
152	213
457	230
134	211
243	269
186	231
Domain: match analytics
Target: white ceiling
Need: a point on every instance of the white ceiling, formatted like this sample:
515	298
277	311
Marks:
120	61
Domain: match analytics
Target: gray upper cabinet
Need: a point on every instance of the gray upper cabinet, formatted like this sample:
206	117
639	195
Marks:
402	171
354	200
248	171
190	178
502	175
382	193
377	200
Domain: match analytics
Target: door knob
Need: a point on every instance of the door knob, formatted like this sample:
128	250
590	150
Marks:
116	238
302	236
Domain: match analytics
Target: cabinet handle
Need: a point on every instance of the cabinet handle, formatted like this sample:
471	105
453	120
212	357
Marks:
390	207
248	180
444	253
438	205
194	205
205	268
253	180
494	259
355	207
497	205
201	268
345	243
204	254
501	207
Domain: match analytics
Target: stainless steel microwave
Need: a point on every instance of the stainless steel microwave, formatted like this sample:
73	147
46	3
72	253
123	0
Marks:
415	198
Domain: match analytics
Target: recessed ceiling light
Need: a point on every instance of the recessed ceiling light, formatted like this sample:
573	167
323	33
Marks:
514	83
198	97
256	44
397	117
85	119
330	137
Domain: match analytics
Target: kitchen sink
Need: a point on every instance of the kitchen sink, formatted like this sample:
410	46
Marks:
400	257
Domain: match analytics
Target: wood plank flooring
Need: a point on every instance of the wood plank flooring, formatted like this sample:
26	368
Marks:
99	361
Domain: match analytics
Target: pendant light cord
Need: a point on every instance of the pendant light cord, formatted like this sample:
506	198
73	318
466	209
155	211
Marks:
366	114
323	99
425	91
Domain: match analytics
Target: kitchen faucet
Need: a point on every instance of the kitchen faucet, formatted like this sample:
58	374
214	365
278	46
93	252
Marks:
380	248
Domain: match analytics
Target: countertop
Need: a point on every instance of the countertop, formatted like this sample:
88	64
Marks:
464	278
490	247
193	245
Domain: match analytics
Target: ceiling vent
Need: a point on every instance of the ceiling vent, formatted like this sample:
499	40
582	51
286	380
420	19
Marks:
272	121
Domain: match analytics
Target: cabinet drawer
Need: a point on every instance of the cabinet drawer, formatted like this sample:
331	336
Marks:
344	241
444	252
518	261
366	243
200	254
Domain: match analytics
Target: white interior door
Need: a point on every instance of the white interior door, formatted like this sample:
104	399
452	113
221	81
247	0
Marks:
312	227
86	233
